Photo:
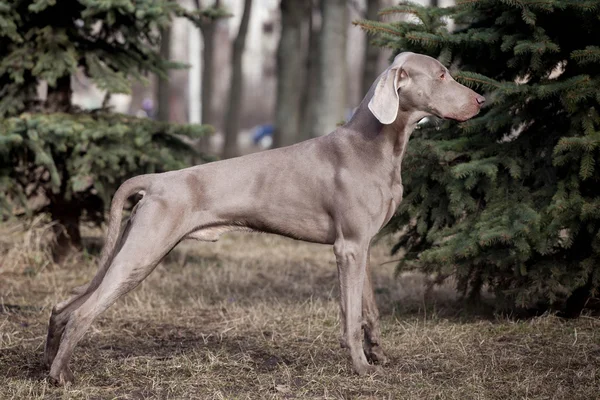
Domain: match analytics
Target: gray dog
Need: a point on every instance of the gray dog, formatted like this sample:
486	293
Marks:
339	189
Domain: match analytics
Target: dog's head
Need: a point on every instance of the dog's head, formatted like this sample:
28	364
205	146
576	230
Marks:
419	83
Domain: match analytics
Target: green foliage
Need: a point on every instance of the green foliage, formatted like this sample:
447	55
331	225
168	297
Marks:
111	40
511	198
69	163
47	160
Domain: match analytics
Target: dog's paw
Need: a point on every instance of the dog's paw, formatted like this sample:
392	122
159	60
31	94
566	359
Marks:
64	378
376	355
368	369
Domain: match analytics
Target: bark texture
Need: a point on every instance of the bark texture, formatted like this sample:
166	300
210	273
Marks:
289	73
371	51
234	107
208	29
331	99
309	95
207	75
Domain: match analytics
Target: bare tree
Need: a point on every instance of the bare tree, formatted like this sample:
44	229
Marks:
232	116
310	88
331	99
208	28
163	92
289	73
371	51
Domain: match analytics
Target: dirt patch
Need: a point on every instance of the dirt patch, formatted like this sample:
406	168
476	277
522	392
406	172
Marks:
256	316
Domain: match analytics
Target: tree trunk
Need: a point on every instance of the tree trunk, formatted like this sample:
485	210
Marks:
434	3
578	299
208	71
289	73
208	30
232	116
66	230
162	94
370	72
576	302
59	97
331	100
310	88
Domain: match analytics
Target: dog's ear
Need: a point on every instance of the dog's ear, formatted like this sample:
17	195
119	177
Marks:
385	101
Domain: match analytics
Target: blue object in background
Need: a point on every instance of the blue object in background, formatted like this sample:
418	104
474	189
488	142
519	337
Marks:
261	132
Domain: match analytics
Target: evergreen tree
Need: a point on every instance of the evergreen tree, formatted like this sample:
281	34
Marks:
71	161
511	199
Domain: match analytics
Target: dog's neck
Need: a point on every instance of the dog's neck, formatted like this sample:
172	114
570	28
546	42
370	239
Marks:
391	140
384	146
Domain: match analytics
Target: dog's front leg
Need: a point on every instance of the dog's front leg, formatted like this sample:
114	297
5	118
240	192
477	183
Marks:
351	257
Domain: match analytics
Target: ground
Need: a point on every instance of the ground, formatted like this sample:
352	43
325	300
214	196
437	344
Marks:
256	317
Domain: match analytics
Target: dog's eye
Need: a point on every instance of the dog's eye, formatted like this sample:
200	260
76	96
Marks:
443	76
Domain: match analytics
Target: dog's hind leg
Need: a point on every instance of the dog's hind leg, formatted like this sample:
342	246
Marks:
151	237
62	311
58	320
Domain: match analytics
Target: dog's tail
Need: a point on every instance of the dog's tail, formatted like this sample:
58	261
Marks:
127	189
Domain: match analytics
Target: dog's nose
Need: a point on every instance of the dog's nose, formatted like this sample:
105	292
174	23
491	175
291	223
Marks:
480	100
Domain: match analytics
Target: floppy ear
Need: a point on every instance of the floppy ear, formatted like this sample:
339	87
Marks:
385	101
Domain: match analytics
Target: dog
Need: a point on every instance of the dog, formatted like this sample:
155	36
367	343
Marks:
339	189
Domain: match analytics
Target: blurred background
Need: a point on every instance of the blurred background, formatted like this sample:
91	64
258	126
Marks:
189	102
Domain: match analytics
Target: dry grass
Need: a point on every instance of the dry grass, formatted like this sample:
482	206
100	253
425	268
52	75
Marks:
255	316
25	247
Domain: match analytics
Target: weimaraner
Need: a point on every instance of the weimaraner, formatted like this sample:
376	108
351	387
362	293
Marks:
339	189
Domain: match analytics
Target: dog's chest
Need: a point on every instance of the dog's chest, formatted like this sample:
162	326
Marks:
396	188
395	195
396	198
